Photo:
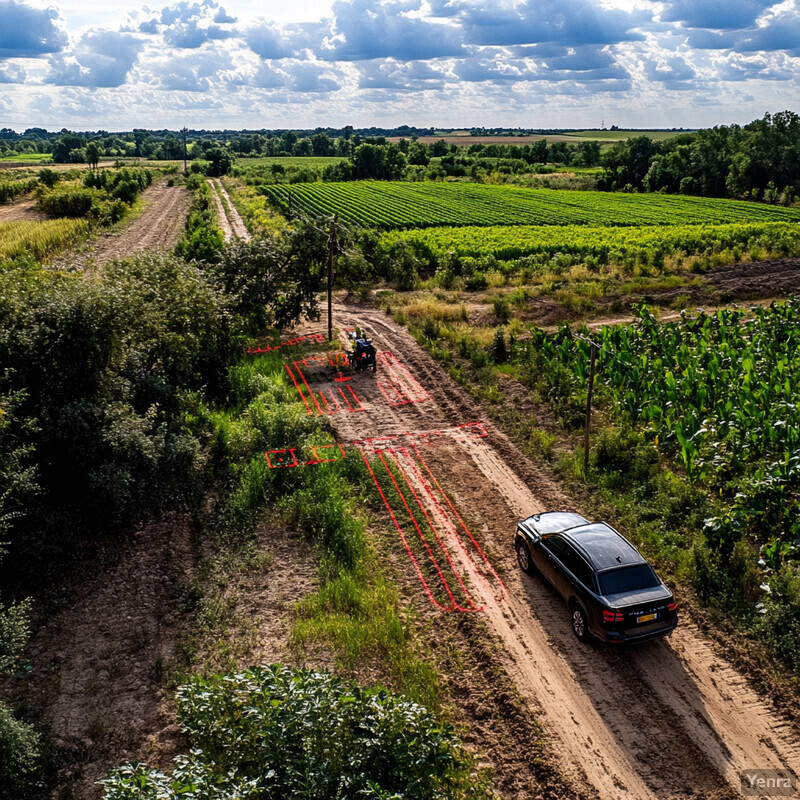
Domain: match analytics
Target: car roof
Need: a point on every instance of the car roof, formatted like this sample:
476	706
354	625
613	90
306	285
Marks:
552	521
603	546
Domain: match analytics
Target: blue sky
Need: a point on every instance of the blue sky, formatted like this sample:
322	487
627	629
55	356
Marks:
88	64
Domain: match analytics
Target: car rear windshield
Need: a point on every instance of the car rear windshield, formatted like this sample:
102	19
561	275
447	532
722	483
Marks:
627	579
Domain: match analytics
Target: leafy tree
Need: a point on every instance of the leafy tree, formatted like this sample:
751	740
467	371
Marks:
92	151
221	162
275	278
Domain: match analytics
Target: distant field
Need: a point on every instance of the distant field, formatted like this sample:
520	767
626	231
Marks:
289	161
25	158
508	243
388	205
605	137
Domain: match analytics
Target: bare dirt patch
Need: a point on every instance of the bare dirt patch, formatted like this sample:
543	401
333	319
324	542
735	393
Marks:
21	210
230	220
668	719
158	227
100	665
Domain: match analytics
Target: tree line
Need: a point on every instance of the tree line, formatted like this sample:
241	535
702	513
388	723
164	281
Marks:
758	161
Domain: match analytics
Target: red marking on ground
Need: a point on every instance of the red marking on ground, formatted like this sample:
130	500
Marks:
336	449
315	337
448	545
459	433
461	522
282	458
437	536
299	390
410	553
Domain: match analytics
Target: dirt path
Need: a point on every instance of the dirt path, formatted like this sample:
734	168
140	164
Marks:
667	719
230	221
158	228
21	210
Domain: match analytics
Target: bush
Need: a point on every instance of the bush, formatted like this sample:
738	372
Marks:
67	202
19	756
278	733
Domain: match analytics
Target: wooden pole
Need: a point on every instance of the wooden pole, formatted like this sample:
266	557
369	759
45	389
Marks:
588	414
332	247
184	131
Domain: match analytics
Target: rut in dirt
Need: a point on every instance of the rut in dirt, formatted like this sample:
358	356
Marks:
668	719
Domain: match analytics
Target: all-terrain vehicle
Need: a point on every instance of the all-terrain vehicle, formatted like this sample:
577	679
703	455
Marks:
363	355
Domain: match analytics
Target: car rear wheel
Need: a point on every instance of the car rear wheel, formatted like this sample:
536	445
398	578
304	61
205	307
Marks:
524	558
579	623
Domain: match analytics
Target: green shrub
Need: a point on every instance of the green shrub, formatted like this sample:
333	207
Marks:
277	733
19	756
67	202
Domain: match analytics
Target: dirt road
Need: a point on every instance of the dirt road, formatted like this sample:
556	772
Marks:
668	719
230	221
158	228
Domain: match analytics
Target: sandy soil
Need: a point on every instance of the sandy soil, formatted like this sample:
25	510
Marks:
100	665
158	228
230	220
668	719
22	209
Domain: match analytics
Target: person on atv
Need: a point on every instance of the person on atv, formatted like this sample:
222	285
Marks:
363	355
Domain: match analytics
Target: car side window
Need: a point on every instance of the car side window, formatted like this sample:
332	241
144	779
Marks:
555	544
573	561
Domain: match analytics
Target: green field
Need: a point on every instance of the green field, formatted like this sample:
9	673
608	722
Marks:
26	158
391	205
289	161
508	243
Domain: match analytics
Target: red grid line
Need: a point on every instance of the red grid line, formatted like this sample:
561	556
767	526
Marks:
317	337
461	521
442	545
299	390
411	555
356	398
453	604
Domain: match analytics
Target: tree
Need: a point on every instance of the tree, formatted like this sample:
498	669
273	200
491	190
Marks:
92	151
221	162
275	278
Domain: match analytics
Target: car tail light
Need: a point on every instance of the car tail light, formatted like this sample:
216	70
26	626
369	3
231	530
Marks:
673	606
613	616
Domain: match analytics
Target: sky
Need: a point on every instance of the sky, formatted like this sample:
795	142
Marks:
94	64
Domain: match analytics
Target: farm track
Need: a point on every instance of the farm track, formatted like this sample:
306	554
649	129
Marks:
20	210
230	221
158	228
668	719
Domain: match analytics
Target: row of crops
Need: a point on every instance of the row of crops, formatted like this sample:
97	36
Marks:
390	205
508	243
717	392
40	238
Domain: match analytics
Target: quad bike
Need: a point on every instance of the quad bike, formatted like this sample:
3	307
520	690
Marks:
363	355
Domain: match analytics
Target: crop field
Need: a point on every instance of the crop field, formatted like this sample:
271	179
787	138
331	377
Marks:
288	161
26	158
392	205
39	238
512	242
716	392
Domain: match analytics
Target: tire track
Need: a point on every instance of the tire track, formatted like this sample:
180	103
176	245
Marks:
667	719
230	220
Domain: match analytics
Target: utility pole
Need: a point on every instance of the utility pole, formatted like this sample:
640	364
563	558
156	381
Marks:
184	131
594	348
333	246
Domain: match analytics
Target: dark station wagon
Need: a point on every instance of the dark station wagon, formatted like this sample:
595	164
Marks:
612	593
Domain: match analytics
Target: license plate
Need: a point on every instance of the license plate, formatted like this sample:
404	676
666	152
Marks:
647	618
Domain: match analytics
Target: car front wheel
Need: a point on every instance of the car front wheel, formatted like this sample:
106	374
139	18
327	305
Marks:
524	558
579	623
